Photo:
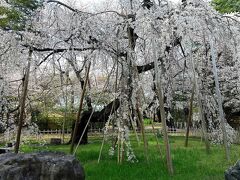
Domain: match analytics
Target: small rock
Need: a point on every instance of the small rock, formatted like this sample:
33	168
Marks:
10	144
40	166
233	173
5	150
55	141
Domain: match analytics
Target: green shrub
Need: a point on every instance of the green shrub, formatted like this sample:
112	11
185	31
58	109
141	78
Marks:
53	121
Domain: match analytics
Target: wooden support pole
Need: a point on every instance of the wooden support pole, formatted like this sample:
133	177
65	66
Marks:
162	112
23	100
220	103
80	109
200	105
189	115
66	107
141	122
134	128
158	145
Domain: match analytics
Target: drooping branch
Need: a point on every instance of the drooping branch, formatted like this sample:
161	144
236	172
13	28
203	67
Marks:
146	67
141	68
58	50
108	110
63	4
78	11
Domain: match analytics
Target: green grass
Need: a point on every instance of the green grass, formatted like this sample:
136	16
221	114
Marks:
147	121
190	163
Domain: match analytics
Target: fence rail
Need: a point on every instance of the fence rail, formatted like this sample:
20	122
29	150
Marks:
193	131
57	131
96	128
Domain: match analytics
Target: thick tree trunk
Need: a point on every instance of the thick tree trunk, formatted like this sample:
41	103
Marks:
98	116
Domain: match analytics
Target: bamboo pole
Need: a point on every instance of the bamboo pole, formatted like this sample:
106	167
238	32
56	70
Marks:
23	100
80	109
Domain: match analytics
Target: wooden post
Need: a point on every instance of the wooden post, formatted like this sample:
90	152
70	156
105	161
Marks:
158	145
134	127
66	107
201	112
23	100
162	112
189	115
119	142
80	109
141	122
219	98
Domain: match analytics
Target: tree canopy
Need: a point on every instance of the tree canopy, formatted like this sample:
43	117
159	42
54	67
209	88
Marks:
15	13
144	57
226	6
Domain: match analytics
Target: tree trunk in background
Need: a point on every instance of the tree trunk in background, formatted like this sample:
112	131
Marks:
98	116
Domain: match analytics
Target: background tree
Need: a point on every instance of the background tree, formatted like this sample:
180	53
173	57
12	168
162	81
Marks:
226	6
15	13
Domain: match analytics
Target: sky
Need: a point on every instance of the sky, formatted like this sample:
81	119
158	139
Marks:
95	4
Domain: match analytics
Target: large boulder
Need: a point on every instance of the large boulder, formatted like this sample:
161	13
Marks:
40	166
233	173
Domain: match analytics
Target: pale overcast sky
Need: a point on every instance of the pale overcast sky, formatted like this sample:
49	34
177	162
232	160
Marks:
94	4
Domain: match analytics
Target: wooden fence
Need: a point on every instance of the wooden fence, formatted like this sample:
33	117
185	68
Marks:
57	131
180	131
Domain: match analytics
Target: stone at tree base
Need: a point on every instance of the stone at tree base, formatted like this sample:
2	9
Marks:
233	173
40	166
5	150
55	141
9	144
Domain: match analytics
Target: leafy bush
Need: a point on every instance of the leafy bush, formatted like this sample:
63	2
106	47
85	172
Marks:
147	121
53	121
